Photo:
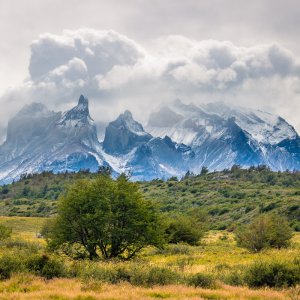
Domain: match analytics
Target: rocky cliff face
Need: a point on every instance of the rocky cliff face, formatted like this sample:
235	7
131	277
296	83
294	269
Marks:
38	140
222	136
177	138
124	134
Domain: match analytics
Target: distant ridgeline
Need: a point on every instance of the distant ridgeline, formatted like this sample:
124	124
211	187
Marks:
176	139
229	197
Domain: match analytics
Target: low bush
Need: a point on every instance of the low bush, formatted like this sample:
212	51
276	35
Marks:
153	276
276	274
45	266
135	274
185	229
232	275
202	280
265	231
10	264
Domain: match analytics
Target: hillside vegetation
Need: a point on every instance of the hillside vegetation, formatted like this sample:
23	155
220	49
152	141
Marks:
229	197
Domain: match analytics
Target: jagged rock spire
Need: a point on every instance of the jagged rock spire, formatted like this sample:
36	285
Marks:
80	113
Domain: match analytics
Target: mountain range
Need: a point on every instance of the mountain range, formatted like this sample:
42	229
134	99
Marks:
177	138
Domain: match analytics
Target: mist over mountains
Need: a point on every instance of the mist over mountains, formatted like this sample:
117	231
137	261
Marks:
177	138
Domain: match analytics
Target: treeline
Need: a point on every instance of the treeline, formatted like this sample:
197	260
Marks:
230	197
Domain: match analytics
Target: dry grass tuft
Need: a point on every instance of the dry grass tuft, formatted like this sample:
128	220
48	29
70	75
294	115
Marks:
26	287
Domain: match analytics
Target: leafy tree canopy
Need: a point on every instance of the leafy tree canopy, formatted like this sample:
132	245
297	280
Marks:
107	216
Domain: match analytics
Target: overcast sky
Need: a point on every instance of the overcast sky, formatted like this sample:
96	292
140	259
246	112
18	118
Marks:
128	54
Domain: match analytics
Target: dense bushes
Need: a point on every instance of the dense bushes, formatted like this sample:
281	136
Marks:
184	229
202	280
187	228
41	265
134	273
265	231
45	266
273	274
10	264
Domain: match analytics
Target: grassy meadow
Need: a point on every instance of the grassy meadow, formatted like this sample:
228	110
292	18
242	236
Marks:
170	273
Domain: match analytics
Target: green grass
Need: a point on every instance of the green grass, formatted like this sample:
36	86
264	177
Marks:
23	227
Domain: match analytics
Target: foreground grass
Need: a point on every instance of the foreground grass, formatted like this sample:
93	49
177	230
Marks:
218	255
30	287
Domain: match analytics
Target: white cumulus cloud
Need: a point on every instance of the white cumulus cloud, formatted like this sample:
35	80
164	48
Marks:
115	72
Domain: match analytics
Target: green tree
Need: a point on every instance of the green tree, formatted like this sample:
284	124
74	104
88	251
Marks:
265	231
106	216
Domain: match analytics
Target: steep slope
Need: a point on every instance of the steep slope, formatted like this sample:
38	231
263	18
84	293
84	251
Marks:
160	158
222	136
39	140
123	134
128	148
177	139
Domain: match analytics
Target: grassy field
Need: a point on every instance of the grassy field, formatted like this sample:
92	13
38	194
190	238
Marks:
23	227
218	254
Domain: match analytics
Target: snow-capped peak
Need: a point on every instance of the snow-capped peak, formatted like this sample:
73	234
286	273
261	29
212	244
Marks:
125	119
264	127
123	134
78	115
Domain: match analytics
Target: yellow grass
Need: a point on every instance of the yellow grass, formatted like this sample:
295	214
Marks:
29	287
216	250
23	227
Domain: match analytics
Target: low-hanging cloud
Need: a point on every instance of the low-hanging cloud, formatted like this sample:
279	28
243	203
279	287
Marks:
116	72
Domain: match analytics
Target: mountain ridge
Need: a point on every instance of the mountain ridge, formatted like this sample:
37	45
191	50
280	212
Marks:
178	138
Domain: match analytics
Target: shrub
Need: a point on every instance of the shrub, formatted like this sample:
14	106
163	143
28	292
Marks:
263	232
10	264
202	280
45	266
279	232
153	276
135	274
273	274
185	229
232	275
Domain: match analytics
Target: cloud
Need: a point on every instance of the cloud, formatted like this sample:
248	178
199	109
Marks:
100	51
206	65
117	73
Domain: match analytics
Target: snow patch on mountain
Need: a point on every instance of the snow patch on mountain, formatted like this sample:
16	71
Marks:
264	127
